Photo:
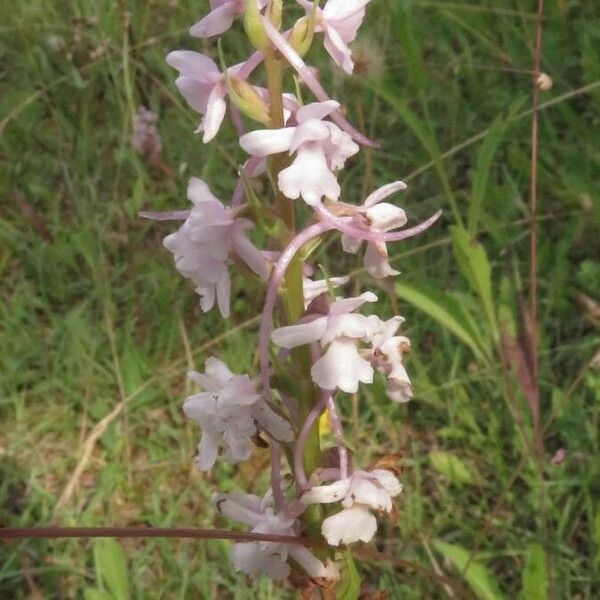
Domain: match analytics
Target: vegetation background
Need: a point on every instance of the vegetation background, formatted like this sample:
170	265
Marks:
97	329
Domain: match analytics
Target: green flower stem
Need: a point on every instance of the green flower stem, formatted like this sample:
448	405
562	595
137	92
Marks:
293	292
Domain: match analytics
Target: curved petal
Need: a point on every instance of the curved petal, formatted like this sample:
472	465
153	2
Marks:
316	110
377	262
348	526
216	22
208	450
223	294
348	305
198	192
194	65
325	494
300	334
250	254
215	113
338	50
243	508
383	192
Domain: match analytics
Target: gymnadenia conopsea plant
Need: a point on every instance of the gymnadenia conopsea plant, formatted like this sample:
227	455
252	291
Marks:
315	346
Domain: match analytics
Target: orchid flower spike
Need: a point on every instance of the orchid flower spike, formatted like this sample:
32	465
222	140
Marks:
339	20
204	244
229	411
380	217
204	87
359	494
221	17
320	148
269	558
340	329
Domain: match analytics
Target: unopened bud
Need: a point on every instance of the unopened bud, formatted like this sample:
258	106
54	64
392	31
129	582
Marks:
247	101
254	27
544	82
274	12
302	35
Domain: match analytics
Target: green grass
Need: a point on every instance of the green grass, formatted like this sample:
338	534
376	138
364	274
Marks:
92	311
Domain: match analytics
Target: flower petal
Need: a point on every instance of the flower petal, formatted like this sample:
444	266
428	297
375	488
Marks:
272	423
215	113
294	182
254	560
312	565
342	367
264	142
300	334
348	526
208	449
324	494
216	22
316	110
377	262
383	192
388	480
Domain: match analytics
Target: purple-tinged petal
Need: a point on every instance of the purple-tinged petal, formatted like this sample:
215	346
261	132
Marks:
300	334
316	110
264	142
383	192
216	22
215	113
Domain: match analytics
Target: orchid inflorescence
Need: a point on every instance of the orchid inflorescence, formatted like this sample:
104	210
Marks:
323	346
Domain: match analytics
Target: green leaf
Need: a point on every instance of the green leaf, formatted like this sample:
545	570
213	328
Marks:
453	468
535	583
474	573
474	265
349	586
408	42
111	567
448	312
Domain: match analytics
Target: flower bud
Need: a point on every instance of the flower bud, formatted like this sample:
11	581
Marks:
302	35
274	12
247	101
254	27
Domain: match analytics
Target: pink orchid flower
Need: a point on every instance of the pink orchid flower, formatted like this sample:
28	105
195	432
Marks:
320	148
361	492
204	87
339	20
380	217
228	411
204	244
340	329
268	558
